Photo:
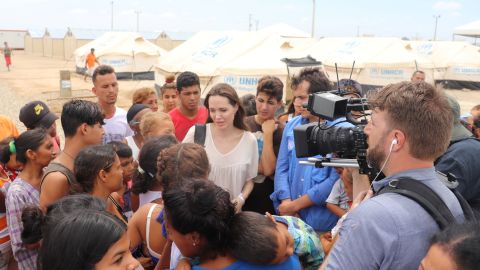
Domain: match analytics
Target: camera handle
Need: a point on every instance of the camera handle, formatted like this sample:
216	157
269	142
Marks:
330	162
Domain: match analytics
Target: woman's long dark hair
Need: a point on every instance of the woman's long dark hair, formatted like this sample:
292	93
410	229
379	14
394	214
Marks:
88	164
36	224
31	139
80	240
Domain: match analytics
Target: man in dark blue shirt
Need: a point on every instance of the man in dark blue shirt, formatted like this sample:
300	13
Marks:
461	159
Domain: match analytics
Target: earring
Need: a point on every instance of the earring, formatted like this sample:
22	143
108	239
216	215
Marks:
194	244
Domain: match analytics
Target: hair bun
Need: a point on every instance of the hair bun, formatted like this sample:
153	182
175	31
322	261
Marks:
170	79
202	199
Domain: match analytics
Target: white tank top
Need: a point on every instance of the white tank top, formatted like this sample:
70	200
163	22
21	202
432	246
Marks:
149	197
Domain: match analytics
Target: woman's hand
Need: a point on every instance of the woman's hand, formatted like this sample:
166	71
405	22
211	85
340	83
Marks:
239	201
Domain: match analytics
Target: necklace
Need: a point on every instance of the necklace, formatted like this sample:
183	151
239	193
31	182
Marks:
67	154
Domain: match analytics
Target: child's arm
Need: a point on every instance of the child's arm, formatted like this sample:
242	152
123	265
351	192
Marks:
183	264
164	262
336	209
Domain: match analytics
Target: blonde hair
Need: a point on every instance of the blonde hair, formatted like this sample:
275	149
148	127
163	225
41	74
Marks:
153	121
142	94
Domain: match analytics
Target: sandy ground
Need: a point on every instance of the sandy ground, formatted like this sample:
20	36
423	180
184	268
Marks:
36	77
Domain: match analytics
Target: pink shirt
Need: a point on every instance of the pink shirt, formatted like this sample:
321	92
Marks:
183	124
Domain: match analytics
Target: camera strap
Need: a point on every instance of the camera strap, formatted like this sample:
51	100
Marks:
428	200
200	134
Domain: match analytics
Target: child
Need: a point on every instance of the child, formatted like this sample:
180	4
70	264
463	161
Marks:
340	198
339	202
124	152
9	169
259	239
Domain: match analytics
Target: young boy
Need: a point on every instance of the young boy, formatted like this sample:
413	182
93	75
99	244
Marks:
124	153
340	198
259	239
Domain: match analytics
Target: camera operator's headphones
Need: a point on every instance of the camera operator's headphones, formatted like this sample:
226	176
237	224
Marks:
394	142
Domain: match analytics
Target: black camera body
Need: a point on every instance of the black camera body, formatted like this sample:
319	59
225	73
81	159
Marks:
345	142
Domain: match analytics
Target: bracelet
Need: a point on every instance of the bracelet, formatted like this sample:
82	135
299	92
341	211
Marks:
241	198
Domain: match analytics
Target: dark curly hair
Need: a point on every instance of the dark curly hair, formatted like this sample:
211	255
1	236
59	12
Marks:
187	79
317	79
271	86
201	206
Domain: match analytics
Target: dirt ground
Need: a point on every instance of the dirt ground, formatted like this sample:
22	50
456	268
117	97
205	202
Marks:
37	77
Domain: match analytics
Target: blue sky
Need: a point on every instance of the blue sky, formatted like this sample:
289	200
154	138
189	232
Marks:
401	18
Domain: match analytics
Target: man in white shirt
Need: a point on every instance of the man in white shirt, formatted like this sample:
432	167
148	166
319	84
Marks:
105	87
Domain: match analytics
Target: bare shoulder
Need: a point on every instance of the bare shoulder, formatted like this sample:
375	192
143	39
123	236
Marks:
55	179
140	216
54	186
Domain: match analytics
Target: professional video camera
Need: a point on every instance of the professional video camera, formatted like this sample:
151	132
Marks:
349	144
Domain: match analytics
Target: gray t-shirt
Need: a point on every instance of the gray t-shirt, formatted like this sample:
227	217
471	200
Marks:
338	195
390	231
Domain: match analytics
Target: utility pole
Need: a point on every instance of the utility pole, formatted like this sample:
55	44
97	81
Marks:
249	22
111	24
138	20
313	19
436	24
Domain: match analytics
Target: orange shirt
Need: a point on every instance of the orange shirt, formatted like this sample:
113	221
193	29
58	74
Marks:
91	58
7	128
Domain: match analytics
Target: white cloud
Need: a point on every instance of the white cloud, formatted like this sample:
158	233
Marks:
447	5
78	11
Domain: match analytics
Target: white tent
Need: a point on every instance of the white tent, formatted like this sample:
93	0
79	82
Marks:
237	58
457	64
378	61
469	30
128	53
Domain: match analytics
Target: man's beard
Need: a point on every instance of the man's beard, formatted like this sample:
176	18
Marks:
376	157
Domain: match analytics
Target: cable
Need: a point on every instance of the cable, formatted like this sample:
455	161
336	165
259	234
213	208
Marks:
394	142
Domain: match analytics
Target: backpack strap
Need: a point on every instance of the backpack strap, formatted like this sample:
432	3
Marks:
466	207
450	181
424	196
200	134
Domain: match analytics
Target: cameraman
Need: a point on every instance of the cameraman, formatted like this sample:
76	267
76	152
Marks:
409	128
301	189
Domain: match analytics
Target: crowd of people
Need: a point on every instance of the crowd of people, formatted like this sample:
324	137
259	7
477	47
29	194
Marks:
218	185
